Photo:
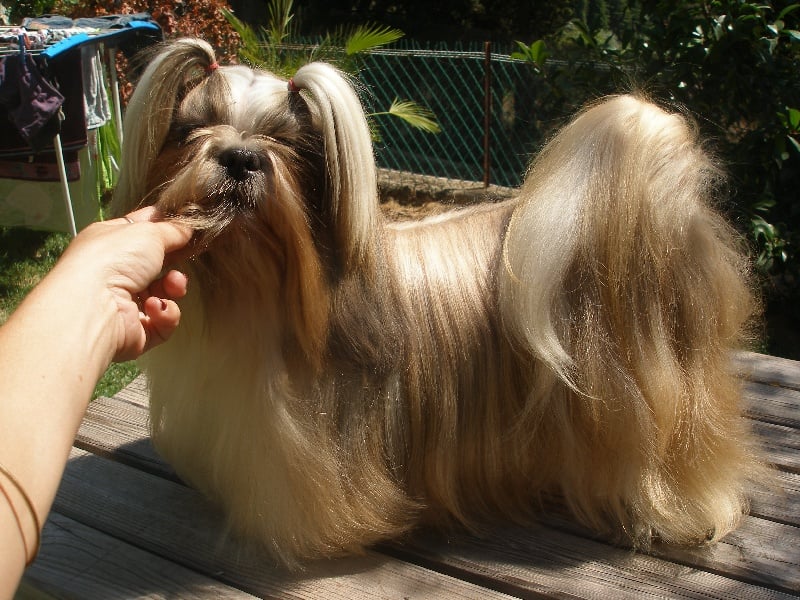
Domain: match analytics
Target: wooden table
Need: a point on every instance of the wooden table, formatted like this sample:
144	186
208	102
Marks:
124	527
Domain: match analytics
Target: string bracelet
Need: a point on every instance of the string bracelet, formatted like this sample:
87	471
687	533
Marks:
15	482
17	518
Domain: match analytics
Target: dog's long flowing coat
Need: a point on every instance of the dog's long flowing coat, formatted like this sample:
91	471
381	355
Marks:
338	378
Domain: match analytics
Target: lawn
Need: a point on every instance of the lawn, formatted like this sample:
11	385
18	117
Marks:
25	257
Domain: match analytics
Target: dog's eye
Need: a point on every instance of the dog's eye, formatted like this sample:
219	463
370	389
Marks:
180	130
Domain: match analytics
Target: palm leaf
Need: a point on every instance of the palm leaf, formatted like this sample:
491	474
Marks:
414	114
367	37
246	33
340	47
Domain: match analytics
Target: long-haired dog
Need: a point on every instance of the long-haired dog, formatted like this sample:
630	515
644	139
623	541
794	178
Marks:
339	378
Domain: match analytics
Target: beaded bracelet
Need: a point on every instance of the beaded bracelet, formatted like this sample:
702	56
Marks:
32	510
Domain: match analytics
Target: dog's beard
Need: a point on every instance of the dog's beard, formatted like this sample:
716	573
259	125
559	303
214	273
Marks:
195	185
211	203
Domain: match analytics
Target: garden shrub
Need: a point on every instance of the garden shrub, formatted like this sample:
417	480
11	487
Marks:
177	18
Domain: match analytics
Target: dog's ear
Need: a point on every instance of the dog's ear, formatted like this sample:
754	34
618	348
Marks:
172	70
350	163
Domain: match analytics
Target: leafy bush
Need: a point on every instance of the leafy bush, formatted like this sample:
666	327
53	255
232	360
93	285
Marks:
16	10
200	18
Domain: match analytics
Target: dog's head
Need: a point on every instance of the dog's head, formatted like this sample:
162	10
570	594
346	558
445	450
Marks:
230	149
277	179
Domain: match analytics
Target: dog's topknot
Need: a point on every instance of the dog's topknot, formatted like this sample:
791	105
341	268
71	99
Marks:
172	69
350	161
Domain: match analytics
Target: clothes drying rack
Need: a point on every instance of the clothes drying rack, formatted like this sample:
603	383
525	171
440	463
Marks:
35	42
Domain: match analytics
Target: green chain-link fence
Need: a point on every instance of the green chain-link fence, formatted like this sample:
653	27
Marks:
455	85
490	108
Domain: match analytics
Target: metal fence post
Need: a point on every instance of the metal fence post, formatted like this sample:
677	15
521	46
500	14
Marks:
487	112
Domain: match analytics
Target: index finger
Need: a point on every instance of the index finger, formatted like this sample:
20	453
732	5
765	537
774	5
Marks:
173	235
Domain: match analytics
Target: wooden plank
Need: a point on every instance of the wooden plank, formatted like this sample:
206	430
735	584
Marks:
759	551
779	501
176	523
764	401
762	368
79	562
135	392
124	438
541	560
772	404
772	370
118	429
781	445
121	422
768	402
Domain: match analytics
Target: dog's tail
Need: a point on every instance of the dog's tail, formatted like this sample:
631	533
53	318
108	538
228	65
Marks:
629	291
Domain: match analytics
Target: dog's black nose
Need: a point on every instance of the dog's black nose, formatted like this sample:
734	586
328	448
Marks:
240	162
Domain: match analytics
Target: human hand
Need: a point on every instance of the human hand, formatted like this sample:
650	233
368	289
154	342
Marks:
121	262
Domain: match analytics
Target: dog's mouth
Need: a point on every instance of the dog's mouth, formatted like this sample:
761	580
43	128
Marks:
221	182
212	189
232	205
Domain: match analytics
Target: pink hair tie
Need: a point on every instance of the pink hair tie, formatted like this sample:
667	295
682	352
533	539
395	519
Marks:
212	67
292	87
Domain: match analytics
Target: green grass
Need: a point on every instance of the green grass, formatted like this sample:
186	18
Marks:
25	257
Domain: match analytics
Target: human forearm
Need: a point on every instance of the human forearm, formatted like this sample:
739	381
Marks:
53	349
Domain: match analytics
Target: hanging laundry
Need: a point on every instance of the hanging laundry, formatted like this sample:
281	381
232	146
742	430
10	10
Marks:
95	97
40	98
53	96
31	102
